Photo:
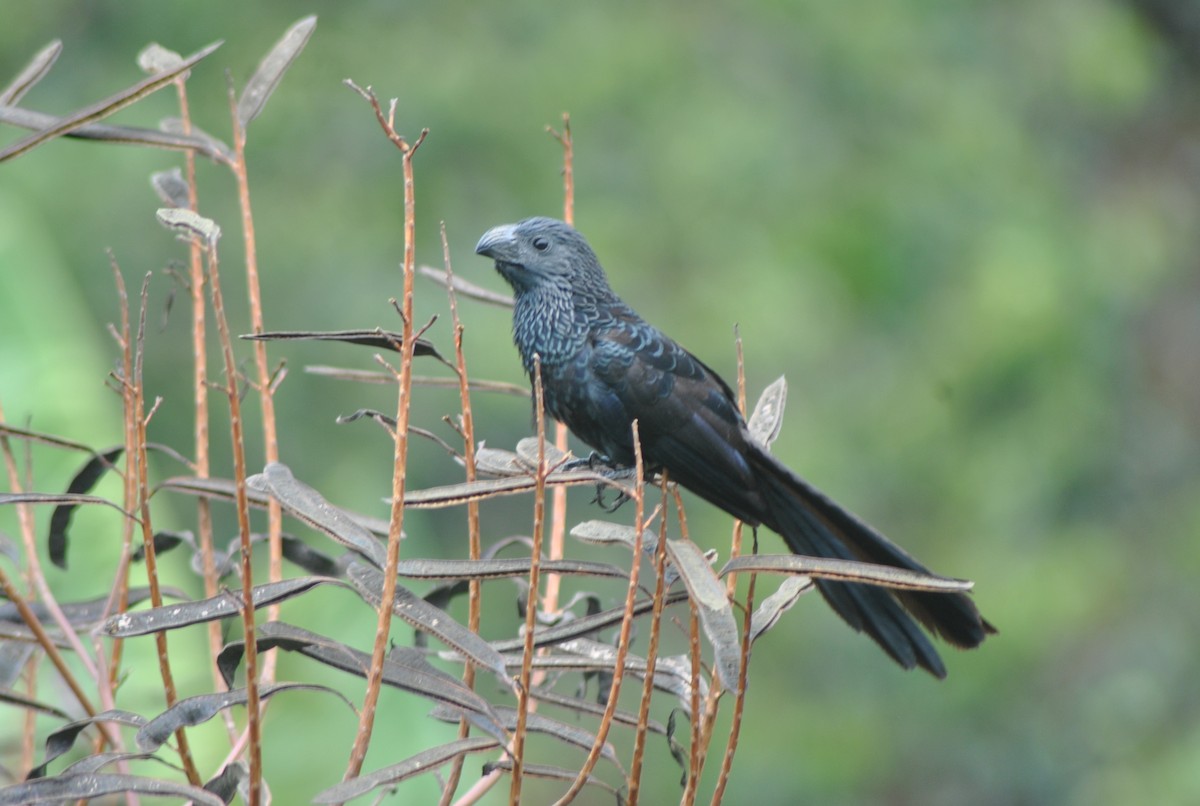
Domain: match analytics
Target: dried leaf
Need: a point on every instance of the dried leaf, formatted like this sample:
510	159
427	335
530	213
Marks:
94	786
714	608
886	576
223	605
422	762
83	481
306	504
466	288
154	58
31	73
272	68
423	616
171	187
378	338
104	108
201	708
767	419
404	668
131	135
189	224
775	605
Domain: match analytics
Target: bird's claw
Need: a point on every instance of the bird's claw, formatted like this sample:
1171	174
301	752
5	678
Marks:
599	501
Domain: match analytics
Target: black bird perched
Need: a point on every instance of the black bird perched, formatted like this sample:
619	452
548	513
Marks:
603	367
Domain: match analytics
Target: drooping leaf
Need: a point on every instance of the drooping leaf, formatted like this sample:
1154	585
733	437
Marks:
63	739
104	108
775	605
83	481
91	786
203	707
307	505
226	490
553	774
422	762
223	605
537	723
423	616
228	781
404	668
713	606
171	187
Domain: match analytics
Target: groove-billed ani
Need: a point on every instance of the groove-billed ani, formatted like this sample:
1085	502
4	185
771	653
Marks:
603	367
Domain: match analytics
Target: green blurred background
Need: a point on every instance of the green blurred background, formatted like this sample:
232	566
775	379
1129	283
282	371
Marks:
965	232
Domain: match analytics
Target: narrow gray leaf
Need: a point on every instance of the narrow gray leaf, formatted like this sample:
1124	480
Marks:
31	73
423	616
306	504
886	576
466	288
199	709
171	187
223	605
775	605
713	606
767	419
270	71
422	762
93	786
104	108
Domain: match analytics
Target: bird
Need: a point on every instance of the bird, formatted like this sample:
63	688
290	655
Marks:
603	366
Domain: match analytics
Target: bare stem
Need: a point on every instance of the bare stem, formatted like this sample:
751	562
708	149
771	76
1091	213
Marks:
623	639
400	455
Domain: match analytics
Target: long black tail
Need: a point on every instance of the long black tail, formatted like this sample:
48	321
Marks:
814	525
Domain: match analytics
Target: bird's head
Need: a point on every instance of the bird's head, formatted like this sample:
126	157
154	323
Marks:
540	252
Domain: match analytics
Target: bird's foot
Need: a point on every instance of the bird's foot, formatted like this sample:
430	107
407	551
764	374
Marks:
593	461
605	505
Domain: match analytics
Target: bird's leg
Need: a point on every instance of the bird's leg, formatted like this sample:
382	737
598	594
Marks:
592	461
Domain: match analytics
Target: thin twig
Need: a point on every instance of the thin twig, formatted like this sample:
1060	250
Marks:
660	567
200	431
474	549
253	707
739	702
263	379
138	479
623	639
558	501
531	606
400	455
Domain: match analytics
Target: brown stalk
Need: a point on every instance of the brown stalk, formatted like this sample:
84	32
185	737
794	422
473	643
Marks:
263	380
531	606
660	567
400	457
200	433
739	702
474	549
639	500
137	478
253	712
558	508
695	756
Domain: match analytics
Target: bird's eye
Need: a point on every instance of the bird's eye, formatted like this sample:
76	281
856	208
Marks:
541	244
